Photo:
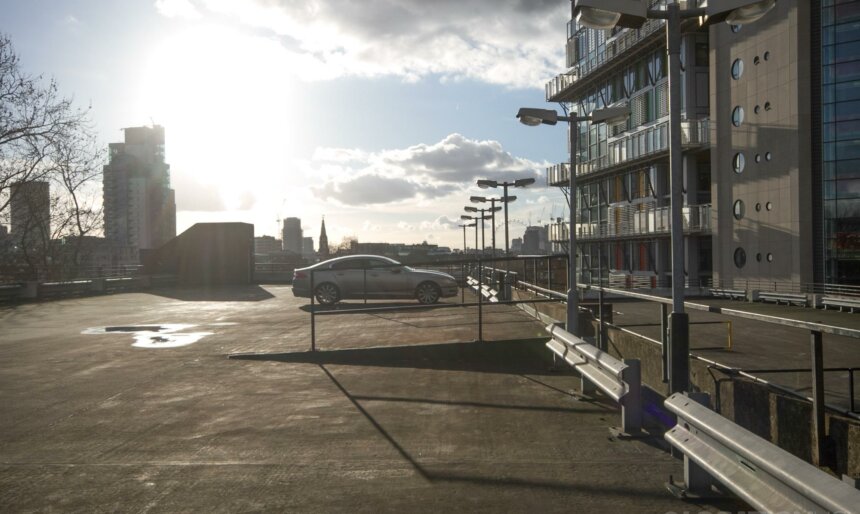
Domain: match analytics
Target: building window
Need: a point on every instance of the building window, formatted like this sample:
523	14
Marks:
737	69
737	116
768	156
770	257
738	209
758	257
768	206
758	157
738	162
740	257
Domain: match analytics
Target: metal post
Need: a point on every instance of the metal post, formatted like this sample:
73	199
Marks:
493	222
313	316
679	342
463	275
480	302
818	428
483	243
476	236
664	340
572	324
507	239
851	390
365	285
600	341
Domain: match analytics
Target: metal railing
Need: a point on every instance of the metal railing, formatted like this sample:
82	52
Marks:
632	221
717	451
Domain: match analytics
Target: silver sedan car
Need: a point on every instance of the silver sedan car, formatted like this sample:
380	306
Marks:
372	277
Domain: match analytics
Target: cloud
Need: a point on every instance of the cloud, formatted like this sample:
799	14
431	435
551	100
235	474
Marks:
417	173
193	195
516	43
440	223
177	9
402	225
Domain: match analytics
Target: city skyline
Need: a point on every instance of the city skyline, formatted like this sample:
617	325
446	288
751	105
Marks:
435	124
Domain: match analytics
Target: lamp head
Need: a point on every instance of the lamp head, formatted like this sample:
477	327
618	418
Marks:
464	217
523	182
477	199
470	209
737	12
495	209
484	184
608	14
611	114
509	199
534	117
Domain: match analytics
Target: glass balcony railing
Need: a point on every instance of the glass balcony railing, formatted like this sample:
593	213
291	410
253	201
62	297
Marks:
632	220
611	50
633	145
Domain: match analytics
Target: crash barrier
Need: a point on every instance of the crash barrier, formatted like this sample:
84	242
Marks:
620	380
82	287
780	298
471	269
842	303
717	451
731	294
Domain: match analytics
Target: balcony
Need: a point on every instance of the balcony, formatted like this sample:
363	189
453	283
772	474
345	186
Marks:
629	147
630	221
557	89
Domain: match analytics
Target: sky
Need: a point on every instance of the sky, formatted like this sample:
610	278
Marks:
379	115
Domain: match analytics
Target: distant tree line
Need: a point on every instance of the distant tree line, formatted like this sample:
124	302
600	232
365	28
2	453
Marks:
44	137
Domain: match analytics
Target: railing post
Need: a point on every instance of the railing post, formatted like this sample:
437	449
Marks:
818	434
664	340
480	301
851	390
631	403
365	285
696	479
549	272
601	343
313	316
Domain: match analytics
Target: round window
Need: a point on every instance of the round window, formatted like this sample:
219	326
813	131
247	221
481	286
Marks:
737	116
738	209
757	109
770	257
740	257
768	156
767	106
758	257
758	157
737	69
756	60
768	206
738	162
766	56
758	207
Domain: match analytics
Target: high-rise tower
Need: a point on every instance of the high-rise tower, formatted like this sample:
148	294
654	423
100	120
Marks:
139	206
292	233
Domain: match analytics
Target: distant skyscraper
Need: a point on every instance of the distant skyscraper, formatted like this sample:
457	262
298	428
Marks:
30	208
323	241
139	206
293	235
308	247
534	241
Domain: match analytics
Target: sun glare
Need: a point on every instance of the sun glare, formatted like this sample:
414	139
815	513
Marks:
224	98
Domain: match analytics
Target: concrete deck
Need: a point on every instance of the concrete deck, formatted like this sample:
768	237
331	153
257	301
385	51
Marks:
390	415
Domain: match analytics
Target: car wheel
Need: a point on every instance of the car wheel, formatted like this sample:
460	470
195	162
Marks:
428	292
327	293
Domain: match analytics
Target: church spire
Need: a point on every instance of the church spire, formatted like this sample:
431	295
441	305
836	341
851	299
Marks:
323	241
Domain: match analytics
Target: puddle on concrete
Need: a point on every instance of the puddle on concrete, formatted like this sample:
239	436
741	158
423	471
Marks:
167	335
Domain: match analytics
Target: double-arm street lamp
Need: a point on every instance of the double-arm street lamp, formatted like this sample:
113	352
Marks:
535	117
482	217
493	209
475	224
608	14
523	182
463	226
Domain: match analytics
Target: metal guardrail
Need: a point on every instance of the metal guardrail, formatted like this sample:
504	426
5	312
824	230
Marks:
787	298
620	380
765	476
846	303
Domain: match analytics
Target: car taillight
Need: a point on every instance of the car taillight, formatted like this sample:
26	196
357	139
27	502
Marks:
299	274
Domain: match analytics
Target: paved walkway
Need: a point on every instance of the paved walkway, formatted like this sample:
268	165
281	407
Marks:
390	415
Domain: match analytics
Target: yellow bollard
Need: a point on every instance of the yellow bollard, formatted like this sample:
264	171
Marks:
729	348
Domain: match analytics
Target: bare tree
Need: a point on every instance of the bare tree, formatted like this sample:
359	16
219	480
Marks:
44	137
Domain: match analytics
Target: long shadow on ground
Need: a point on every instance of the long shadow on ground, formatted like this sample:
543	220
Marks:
238	293
512	357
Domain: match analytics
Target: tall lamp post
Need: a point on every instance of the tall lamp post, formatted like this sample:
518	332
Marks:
523	182
608	14
493	210
463	226
535	117
475	224
482	217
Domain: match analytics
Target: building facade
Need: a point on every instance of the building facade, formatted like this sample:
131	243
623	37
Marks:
30	212
139	205
266	245
770	191
292	233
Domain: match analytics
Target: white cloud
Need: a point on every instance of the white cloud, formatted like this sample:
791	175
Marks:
515	43
177	9
418	173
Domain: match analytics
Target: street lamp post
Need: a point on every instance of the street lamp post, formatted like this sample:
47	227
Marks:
523	182
608	14
505	200
535	117
482	217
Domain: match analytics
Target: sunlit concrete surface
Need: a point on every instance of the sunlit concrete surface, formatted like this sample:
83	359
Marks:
390	415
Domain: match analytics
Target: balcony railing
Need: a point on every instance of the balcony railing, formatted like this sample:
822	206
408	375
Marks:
633	145
612	49
629	221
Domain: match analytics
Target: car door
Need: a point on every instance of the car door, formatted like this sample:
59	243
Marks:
386	279
349	275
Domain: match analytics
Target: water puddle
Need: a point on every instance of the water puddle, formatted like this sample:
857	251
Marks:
168	335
